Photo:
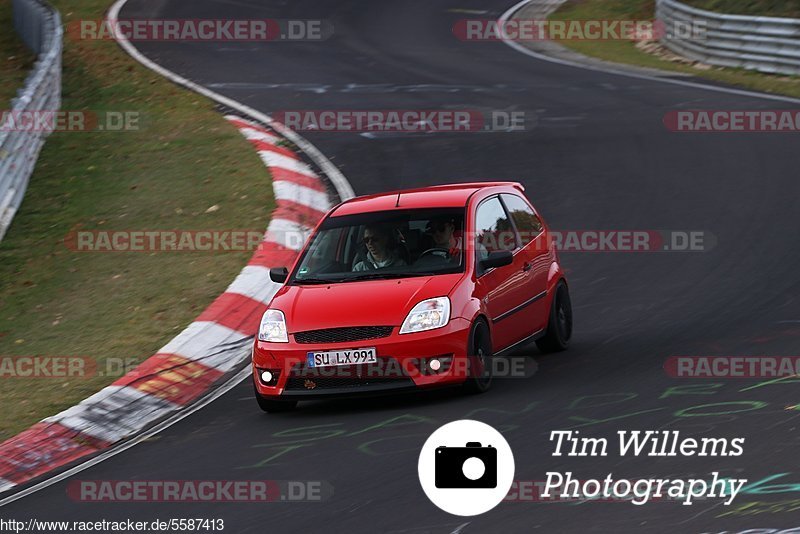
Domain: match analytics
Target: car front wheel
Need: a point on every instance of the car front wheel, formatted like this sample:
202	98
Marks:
479	354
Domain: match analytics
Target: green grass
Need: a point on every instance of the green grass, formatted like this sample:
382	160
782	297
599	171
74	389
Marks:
15	59
770	8
185	159
626	51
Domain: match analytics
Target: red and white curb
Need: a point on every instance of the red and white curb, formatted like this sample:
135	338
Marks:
194	362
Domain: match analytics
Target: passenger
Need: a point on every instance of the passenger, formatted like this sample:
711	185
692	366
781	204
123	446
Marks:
380	250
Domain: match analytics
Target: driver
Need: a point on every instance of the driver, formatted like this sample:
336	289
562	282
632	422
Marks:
380	253
442	231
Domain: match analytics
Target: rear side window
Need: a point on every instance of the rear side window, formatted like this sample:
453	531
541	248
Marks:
493	229
527	222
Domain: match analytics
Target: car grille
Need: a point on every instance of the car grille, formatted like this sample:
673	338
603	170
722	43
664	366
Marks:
338	335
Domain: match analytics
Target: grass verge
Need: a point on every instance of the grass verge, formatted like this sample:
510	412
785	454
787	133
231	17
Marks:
15	60
112	307
627	52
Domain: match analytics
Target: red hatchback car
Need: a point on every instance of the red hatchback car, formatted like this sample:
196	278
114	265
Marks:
411	289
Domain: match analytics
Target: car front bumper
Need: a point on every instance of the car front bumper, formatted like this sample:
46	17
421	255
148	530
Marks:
403	365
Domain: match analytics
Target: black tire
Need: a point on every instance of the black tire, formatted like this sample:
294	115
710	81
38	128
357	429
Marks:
559	325
273	406
479	352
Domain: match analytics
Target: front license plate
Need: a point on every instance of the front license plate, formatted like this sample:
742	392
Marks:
341	357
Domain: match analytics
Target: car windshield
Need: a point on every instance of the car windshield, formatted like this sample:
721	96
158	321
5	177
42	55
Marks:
395	244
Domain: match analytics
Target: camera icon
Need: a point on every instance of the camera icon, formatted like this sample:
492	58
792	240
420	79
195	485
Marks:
470	467
466	480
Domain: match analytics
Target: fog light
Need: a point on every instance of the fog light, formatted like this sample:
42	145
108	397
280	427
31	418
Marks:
435	364
266	377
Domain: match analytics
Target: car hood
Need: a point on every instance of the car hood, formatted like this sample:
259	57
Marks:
364	303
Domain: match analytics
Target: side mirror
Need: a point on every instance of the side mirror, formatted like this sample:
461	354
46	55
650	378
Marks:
500	258
278	274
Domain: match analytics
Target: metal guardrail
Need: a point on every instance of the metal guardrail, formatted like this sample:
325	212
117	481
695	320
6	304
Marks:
39	26
765	44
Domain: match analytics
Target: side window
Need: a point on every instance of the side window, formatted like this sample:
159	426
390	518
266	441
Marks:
527	223
493	229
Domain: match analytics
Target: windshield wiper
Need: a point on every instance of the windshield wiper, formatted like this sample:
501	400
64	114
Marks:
383	276
312	280
372	276
367	275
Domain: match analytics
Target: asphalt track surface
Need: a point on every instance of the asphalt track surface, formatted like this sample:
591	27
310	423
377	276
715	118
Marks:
597	156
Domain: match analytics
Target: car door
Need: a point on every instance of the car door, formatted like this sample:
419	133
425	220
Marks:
535	250
503	287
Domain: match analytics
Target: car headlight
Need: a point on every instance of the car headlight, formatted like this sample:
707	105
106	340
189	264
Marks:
427	315
273	327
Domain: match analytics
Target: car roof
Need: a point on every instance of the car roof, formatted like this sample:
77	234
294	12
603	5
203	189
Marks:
437	196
